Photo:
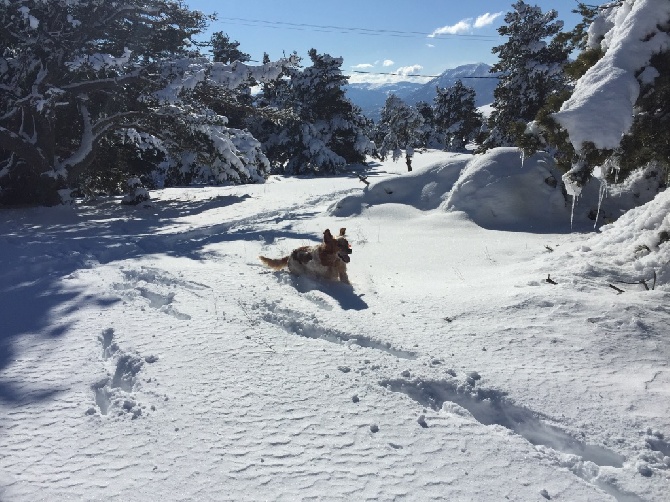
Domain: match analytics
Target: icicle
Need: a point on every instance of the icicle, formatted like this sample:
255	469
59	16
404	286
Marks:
601	196
572	211
523	157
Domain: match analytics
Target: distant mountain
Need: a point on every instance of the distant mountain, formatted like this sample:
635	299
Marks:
371	97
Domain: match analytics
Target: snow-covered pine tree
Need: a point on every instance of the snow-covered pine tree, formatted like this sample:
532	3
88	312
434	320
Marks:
457	120
235	104
225	50
74	77
399	128
326	131
530	69
429	135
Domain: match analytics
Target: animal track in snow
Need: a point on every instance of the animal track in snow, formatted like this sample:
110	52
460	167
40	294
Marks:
490	407
292	322
158	287
115	390
163	303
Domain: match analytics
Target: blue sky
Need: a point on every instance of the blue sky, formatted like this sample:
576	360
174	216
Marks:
380	36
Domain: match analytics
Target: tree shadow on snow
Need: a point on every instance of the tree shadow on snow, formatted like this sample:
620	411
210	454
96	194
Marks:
40	247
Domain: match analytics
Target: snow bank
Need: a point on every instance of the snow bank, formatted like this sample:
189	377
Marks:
601	107
423	189
638	243
498	192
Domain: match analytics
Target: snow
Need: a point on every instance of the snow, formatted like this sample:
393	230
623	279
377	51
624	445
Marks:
97	62
600	109
146	354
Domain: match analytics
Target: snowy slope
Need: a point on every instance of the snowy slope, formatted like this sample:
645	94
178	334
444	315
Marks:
147	355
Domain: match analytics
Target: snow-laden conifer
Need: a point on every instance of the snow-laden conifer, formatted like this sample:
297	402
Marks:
400	128
457	120
73	77
321	131
530	68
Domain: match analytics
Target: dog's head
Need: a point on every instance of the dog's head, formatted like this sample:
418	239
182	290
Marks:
339	246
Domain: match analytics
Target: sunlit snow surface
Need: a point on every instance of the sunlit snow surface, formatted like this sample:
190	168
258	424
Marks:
146	354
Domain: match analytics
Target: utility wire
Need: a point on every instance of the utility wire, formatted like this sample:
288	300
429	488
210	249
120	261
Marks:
359	31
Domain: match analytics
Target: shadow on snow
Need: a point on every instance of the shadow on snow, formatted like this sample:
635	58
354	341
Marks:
39	247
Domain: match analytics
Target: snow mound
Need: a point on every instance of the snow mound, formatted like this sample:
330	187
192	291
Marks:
423	189
499	190
634	247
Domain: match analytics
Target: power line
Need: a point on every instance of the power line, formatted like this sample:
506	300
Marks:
354	30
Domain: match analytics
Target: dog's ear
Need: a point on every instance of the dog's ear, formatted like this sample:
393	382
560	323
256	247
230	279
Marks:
327	236
342	230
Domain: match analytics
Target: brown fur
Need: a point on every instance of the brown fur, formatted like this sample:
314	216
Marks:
327	260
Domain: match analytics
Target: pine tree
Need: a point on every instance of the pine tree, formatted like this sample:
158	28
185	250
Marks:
235	104
529	68
399	128
458	122
225	50
429	136
324	131
74	79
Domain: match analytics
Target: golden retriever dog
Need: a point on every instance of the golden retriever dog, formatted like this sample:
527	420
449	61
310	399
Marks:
327	260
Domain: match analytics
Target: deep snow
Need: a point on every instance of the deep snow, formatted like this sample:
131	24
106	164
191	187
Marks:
146	354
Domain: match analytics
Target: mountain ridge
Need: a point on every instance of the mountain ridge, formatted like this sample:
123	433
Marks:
370	97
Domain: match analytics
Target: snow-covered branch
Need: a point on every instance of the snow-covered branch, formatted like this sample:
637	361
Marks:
89	86
601	108
25	149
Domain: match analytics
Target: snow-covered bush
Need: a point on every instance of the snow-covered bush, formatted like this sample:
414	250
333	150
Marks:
136	193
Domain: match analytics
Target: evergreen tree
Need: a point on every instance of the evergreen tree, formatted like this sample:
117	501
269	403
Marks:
530	69
324	131
429	135
225	50
78	78
544	133
400	127
457	120
235	104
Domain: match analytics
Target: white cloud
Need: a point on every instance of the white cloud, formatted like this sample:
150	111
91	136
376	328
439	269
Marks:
460	27
467	25
402	74
487	19
362	66
388	62
407	70
374	79
430	45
